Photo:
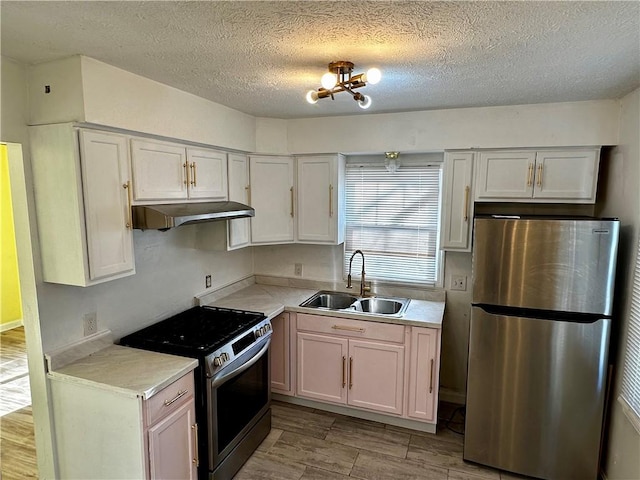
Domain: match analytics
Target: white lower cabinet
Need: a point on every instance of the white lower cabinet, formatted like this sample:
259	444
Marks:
424	373
106	434
82	193
352	362
389	370
281	376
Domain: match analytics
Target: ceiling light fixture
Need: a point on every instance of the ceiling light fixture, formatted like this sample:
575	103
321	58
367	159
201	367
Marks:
339	78
391	161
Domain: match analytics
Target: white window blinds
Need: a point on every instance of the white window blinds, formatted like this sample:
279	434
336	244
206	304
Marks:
394	219
630	395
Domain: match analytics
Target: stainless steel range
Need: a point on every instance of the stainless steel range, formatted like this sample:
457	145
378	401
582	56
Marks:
233	395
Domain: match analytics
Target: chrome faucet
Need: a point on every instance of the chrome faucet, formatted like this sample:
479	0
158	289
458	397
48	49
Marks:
363	286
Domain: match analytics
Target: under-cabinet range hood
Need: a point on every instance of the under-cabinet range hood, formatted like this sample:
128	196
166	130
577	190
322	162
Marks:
165	216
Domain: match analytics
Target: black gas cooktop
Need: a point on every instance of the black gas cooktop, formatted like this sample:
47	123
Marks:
196	332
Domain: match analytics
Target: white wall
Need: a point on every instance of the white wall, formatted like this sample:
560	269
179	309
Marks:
86	90
553	124
622	200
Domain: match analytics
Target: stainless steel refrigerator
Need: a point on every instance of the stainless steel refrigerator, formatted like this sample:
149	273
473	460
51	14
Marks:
538	344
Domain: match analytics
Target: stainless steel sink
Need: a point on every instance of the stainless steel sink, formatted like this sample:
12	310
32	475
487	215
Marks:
381	306
330	300
369	306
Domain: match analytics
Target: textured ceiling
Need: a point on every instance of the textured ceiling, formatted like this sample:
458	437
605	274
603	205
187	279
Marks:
262	57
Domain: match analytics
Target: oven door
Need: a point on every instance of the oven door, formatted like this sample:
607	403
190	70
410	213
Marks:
238	397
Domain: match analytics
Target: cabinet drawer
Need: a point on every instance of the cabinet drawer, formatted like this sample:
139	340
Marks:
347	327
169	399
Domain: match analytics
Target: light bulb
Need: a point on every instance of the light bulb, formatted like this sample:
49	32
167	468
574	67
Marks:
372	76
365	102
312	96
329	80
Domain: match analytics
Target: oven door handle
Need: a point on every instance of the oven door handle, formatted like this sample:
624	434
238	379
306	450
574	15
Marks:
217	381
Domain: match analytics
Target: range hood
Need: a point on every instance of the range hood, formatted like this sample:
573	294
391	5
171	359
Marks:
165	216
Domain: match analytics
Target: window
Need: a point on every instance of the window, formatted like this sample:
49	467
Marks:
630	395
394	219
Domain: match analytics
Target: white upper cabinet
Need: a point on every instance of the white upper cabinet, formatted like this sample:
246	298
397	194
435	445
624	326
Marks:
272	190
164	171
321	197
562	176
207	174
82	186
457	202
239	230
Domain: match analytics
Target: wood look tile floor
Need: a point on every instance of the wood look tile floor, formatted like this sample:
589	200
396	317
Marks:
311	444
17	442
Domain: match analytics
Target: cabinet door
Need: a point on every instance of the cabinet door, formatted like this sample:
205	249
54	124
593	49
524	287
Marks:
105	183
501	175
159	171
273	198
322	367
567	175
376	376
207	174
280	359
172	445
424	373
457	202
238	230
320	208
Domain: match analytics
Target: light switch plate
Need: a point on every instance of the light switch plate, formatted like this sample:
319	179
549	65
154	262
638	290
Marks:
458	282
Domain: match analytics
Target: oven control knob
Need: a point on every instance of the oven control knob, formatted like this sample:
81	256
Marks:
218	361
224	356
268	327
259	332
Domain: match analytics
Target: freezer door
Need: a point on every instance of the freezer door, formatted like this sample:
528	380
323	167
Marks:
535	395
562	265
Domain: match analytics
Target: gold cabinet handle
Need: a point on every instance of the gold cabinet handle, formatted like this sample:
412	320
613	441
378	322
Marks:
330	200
344	371
466	203
194	429
186	173
347	328
431	377
350	372
530	176
181	393
291	190
248	190
127	187
194	180
540	175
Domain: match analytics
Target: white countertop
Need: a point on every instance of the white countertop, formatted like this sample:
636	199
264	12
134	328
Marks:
129	371
273	300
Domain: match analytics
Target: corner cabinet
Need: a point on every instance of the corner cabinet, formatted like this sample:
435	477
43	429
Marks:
272	191
457	202
164	171
321	199
545	176
82	195
281	372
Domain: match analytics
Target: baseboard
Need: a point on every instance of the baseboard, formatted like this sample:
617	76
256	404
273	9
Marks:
10	325
452	396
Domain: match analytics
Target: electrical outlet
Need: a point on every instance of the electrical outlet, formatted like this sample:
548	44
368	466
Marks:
298	270
90	323
458	282
207	281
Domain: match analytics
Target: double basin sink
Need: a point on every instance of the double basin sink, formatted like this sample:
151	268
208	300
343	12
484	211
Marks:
386	306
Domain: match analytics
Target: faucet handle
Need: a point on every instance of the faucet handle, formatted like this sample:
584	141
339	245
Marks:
365	288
